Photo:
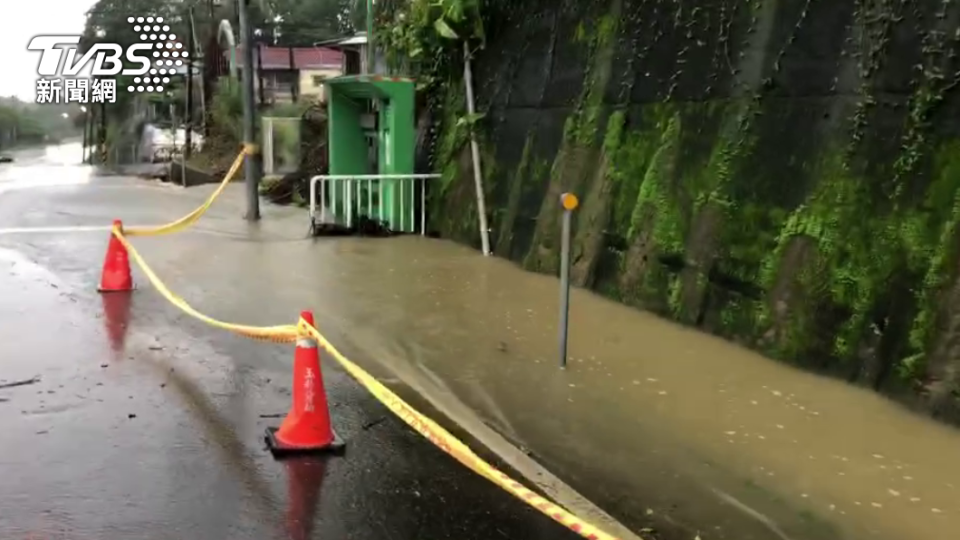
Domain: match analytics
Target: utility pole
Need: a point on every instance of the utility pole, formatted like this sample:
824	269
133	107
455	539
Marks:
370	55
475	153
189	116
251	161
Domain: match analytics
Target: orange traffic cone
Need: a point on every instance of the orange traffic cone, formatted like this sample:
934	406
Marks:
116	266
307	426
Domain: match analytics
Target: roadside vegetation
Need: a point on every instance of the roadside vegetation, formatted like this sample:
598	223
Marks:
23	123
216	108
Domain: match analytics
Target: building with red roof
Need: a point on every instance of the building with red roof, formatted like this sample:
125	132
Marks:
285	74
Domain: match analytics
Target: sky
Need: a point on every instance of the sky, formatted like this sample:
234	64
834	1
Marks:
64	17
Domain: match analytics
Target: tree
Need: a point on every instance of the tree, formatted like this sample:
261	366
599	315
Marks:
9	120
24	123
426	37
303	22
107	20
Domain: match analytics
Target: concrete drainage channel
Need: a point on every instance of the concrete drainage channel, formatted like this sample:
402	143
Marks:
184	175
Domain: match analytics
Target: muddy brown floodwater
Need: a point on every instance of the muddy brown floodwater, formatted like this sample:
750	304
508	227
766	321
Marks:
650	410
649	417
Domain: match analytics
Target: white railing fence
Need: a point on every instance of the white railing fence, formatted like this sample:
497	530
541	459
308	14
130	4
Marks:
389	198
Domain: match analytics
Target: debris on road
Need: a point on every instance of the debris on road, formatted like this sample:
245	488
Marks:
373	423
24	382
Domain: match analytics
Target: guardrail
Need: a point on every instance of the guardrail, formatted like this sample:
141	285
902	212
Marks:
355	190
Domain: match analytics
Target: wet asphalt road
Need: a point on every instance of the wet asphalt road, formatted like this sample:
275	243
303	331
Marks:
143	423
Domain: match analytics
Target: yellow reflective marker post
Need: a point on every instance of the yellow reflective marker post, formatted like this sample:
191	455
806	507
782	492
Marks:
569	202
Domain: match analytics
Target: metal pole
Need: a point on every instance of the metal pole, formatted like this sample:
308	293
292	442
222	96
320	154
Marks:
370	56
204	80
86	120
251	164
91	114
102	151
569	202
475	152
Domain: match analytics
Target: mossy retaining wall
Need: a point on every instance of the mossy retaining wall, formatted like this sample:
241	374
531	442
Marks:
783	173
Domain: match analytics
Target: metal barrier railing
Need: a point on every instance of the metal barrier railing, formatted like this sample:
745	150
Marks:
356	193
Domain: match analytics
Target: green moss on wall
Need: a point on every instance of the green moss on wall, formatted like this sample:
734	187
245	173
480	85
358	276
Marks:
453	209
684	169
453	136
504	245
579	154
656	191
598	37
862	248
685	193
630	151
940	253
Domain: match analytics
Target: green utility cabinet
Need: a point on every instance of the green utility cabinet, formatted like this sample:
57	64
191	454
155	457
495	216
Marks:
389	101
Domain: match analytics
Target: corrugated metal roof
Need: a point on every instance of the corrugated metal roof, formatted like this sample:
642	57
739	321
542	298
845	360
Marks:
360	38
303	57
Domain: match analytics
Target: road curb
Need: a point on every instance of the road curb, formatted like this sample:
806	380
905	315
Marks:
434	391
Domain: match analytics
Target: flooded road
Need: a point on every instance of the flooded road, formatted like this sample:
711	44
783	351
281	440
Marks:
121	419
643	392
45	166
655	423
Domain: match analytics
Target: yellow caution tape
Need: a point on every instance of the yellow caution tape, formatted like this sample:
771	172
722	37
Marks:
192	217
279	334
443	439
432	431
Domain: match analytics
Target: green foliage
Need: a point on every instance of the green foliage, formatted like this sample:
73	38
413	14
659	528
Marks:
655	192
107	19
290	22
288	110
424	37
845	262
107	22
286	134
227	110
305	22
454	135
286	144
748	225
941	253
862	248
581	126
470	120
